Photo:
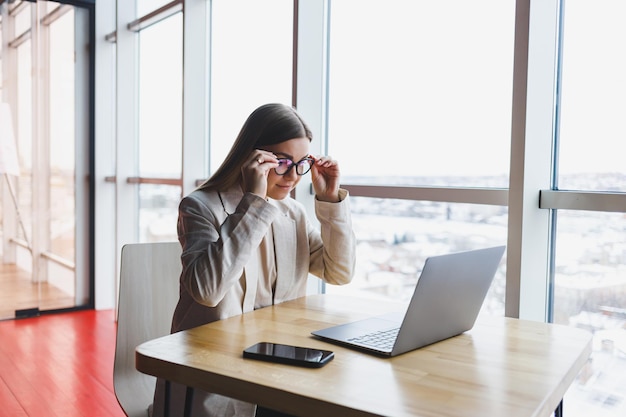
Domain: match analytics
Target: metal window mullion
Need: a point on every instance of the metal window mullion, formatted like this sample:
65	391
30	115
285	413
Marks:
106	256
23	37
155	16
532	134
311	84
196	87
84	118
488	196
126	156
40	232
9	95
17	8
55	14
583	200
311	65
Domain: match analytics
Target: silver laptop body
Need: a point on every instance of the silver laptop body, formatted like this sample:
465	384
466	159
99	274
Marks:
446	301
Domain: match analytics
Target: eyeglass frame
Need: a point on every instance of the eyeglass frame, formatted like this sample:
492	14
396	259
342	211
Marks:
295	164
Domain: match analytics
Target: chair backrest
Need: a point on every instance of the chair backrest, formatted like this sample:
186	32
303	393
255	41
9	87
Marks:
149	290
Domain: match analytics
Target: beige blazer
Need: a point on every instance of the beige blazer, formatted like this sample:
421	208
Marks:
220	258
221	267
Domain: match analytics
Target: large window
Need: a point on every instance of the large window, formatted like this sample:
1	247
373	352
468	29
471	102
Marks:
62	158
251	58
251	64
160	126
422	100
590	246
592	130
161	98
458	124
434	111
47	77
394	238
421	91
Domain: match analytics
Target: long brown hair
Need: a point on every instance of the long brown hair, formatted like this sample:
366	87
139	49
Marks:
267	125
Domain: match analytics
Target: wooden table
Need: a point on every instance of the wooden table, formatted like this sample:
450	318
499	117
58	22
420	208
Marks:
502	367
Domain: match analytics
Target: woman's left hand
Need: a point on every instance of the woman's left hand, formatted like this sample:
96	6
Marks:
325	176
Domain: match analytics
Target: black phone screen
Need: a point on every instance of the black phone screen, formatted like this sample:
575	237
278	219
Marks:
293	355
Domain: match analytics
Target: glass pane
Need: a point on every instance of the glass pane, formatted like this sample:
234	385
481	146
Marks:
592	132
61	185
394	238
22	21
161	99
424	88
24	140
20	292
62	136
590	293
251	64
158	212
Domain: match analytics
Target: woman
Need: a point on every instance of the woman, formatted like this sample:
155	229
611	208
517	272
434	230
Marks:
246	244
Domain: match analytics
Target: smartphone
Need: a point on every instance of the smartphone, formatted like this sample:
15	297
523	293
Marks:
291	355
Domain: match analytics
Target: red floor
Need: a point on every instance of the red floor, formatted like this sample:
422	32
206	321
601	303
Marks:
58	365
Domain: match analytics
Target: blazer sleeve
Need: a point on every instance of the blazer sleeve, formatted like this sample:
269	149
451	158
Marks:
333	247
215	250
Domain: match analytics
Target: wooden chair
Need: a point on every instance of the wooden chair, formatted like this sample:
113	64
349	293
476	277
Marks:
149	277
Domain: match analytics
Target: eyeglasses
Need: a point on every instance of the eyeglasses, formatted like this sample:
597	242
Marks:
302	166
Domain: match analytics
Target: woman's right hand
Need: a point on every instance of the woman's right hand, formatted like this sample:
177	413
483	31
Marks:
255	171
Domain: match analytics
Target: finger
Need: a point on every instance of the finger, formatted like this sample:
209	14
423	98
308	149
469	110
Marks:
325	161
329	167
260	157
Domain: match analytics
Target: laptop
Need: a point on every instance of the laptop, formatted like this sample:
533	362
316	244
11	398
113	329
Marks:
446	301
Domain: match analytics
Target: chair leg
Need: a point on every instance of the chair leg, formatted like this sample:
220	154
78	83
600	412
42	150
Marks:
559	410
188	401
266	412
166	411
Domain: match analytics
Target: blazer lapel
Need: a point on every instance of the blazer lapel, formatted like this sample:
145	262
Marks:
284	229
231	199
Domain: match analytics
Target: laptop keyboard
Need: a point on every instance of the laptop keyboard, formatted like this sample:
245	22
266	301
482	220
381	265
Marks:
383	340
